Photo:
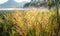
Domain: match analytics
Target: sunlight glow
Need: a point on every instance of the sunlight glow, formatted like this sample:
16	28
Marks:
3	1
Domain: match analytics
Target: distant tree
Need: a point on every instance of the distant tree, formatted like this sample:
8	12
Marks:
49	2
27	5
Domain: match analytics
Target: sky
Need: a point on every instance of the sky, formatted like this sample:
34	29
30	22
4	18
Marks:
22	0
18	1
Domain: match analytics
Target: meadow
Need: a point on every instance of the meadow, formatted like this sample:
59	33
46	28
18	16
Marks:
28	23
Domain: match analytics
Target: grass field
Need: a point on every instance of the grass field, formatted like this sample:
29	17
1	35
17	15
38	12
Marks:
28	23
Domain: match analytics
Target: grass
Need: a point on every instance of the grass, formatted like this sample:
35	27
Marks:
28	23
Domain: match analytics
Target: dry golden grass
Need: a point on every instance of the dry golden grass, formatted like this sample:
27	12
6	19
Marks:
23	21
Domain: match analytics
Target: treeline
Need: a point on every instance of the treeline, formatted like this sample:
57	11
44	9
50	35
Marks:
39	3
